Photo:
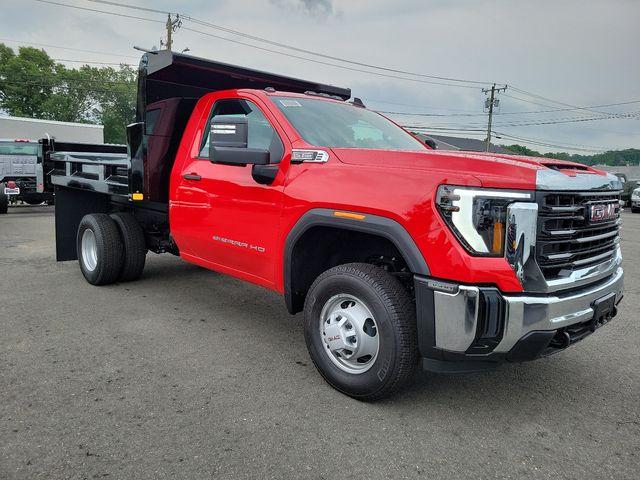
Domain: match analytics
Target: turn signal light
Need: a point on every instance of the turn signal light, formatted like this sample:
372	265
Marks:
353	216
498	238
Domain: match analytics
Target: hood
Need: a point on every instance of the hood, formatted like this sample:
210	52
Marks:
493	170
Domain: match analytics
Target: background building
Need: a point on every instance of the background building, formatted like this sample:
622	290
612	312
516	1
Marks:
34	129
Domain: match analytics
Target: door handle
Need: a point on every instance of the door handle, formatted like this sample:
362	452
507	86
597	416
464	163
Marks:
192	176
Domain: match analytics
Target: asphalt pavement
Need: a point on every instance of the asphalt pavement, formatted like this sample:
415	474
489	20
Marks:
190	374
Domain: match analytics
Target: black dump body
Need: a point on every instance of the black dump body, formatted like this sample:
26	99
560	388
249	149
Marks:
164	75
137	175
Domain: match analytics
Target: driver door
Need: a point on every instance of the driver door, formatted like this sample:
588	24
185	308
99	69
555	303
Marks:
231	219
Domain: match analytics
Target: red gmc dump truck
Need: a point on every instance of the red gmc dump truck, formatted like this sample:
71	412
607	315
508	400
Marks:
399	256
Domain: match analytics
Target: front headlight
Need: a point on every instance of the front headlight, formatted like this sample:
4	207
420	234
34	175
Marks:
635	195
478	216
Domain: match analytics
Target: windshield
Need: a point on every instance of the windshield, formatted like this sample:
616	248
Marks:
331	124
18	148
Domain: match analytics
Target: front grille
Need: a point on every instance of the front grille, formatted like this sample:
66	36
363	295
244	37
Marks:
567	240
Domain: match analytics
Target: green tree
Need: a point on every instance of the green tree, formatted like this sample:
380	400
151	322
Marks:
33	85
27	81
629	156
522	150
116	103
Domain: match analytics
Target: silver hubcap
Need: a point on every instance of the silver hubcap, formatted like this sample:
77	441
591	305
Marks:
349	333
89	250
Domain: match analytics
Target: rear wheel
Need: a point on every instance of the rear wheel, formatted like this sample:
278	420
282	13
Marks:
4	200
135	246
100	249
360	329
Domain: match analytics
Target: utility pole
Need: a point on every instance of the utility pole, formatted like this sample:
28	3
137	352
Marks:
491	102
172	26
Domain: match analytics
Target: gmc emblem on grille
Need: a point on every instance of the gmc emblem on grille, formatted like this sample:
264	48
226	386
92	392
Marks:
602	212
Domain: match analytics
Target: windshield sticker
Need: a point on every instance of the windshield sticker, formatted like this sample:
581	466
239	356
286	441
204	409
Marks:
290	103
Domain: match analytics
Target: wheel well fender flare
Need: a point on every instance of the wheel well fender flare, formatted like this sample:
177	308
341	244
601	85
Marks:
373	224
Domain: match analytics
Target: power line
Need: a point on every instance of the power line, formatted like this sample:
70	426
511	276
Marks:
68	87
136	7
589	149
90	62
611	116
343	67
543	143
99	11
574	120
49	81
368	100
535	95
290	47
528	101
565	144
68	48
529	112
429	127
409	114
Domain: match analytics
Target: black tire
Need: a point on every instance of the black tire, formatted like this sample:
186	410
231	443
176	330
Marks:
109	249
135	246
4	200
395	316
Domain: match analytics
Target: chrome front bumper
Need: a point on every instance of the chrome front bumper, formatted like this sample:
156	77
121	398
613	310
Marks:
526	314
457	315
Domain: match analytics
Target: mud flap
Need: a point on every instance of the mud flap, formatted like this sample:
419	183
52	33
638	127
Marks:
71	206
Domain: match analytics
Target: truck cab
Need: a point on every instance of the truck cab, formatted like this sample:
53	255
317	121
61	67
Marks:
399	256
18	173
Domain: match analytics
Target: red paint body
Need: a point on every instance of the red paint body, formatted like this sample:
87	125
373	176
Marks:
250	222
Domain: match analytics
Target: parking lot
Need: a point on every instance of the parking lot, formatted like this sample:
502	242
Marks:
190	374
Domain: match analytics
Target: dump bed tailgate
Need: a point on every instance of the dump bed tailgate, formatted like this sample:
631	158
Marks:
17	159
17	166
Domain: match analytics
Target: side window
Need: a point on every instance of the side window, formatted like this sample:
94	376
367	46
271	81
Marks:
260	132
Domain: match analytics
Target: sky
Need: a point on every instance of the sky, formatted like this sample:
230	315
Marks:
552	55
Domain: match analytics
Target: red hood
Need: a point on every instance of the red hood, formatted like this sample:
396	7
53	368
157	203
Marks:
493	170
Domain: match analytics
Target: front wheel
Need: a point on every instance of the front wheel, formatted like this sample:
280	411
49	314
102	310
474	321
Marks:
360	329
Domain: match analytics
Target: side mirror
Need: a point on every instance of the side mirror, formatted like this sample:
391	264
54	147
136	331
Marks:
430	143
228	144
